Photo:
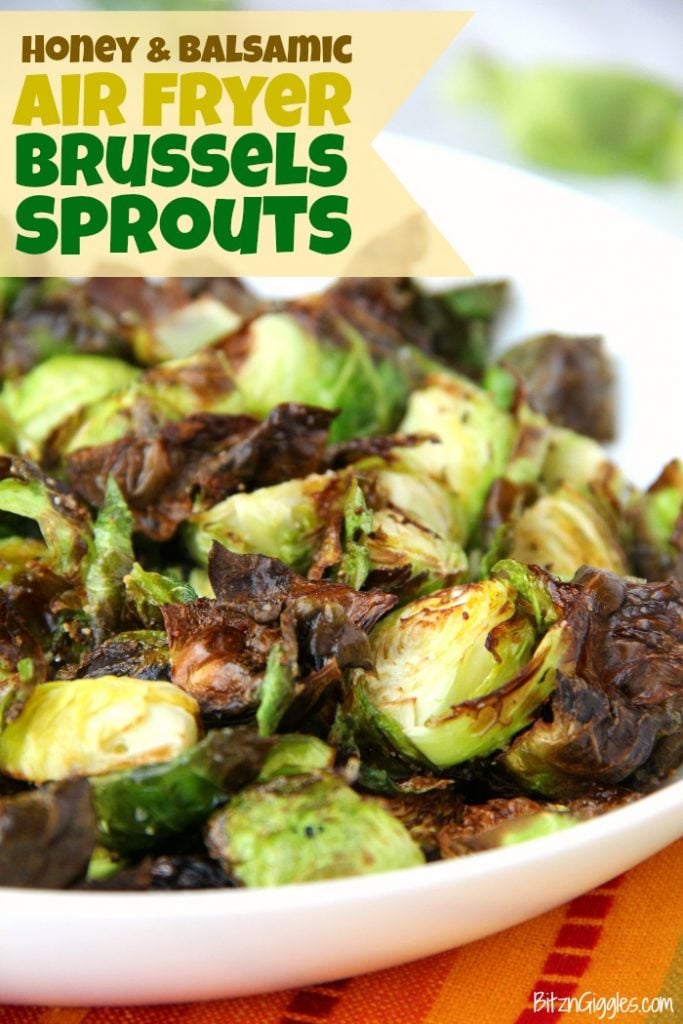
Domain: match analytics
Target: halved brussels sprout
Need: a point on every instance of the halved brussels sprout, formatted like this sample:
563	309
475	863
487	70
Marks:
476	439
398	542
455	673
286	521
301	828
577	461
40	400
563	531
184	330
93	726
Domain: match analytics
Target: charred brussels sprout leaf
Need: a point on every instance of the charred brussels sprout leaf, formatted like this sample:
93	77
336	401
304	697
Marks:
47	836
307	827
221	650
622	697
570	380
141	654
143	807
178	468
91	726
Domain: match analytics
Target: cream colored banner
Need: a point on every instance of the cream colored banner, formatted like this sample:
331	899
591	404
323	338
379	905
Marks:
160	101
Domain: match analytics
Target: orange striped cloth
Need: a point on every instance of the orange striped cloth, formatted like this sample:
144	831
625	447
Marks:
623	941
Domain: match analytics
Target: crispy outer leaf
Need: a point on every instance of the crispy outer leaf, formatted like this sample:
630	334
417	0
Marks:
141	808
625	693
180	467
570	379
220	649
47	836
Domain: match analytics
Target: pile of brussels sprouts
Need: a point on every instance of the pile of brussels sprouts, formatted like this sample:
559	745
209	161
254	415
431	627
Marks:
309	589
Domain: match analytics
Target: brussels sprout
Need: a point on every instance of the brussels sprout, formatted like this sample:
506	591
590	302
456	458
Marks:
291	358
93	726
397	542
112	558
295	754
148	592
578	461
476	439
46	836
456	674
586	120
658	522
306	827
286	521
282	365
185	330
54	390
570	380
64	524
142	807
563	531
422	499
617	698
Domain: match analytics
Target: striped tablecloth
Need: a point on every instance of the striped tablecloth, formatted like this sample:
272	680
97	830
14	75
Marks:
615	954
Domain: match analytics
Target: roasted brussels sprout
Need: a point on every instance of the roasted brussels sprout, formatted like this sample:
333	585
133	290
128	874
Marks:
563	531
475	441
618	698
299	828
140	808
456	674
287	521
94	726
38	402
